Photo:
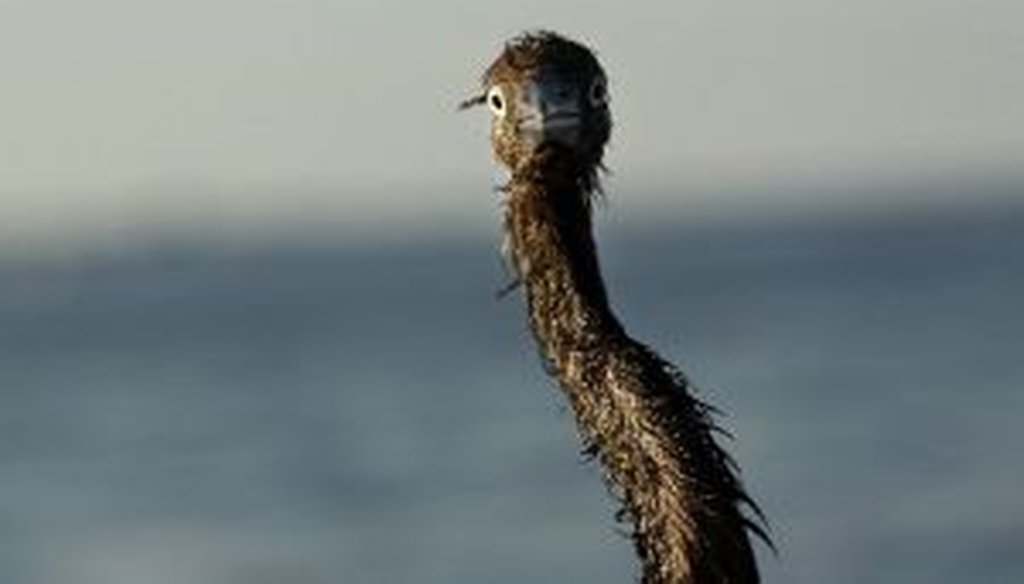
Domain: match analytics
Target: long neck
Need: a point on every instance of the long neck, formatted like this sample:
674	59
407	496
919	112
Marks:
632	409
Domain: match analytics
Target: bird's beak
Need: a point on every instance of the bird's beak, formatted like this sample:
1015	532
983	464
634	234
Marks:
550	110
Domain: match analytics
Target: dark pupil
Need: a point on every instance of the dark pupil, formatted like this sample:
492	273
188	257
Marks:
496	102
598	91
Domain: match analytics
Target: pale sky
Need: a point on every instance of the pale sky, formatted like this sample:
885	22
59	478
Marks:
113	109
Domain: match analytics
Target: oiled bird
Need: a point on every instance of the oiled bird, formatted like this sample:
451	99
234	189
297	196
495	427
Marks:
636	413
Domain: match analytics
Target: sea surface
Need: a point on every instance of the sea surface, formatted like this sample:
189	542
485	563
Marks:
309	412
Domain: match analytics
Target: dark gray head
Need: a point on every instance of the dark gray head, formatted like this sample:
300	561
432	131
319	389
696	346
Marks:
545	93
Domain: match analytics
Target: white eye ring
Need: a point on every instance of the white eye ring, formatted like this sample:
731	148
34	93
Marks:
496	101
598	91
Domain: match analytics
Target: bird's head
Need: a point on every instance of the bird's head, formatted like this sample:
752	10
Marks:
547	94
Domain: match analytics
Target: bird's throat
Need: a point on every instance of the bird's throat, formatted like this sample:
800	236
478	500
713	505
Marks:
551	247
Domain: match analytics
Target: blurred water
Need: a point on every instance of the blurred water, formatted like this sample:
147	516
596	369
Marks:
318	413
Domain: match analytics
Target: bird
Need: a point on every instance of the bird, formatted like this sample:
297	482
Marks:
692	521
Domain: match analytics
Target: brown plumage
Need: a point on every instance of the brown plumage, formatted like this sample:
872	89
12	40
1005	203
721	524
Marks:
634	411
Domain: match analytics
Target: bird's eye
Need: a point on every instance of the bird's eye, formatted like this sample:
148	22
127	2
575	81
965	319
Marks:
598	91
496	101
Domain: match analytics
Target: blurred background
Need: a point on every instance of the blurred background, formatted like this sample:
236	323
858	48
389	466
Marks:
249	256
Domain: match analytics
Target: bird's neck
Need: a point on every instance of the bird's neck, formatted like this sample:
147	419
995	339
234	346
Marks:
548	225
632	408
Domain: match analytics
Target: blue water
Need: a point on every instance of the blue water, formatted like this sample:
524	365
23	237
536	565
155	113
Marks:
310	413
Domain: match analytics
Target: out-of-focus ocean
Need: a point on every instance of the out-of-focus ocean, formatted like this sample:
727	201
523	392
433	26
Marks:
311	412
